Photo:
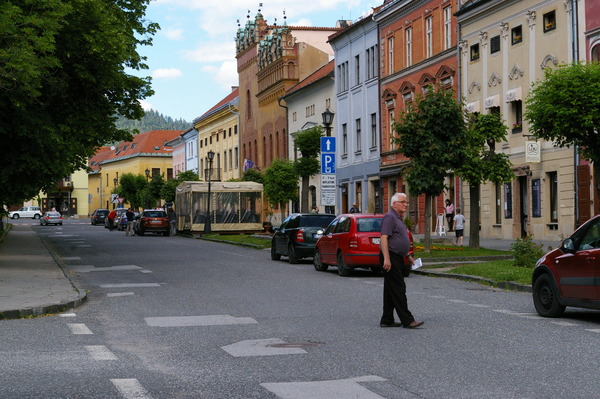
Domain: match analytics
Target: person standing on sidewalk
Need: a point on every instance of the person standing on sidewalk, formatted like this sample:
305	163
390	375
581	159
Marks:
130	220
459	227
449	209
395	244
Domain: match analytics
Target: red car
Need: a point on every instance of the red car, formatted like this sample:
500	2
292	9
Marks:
153	221
351	242
568	275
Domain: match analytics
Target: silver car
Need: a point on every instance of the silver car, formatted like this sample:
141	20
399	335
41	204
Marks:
51	217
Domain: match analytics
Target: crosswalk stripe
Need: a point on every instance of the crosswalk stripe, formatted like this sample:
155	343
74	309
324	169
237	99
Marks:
100	352
130	388
79	329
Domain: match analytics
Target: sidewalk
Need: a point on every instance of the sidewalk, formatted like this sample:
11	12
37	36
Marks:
32	282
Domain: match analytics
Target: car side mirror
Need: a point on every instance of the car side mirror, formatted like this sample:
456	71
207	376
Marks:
568	245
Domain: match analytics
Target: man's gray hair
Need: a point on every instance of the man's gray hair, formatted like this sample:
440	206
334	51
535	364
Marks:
397	197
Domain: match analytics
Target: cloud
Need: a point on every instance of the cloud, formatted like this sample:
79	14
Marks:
146	105
225	75
211	52
173	33
166	73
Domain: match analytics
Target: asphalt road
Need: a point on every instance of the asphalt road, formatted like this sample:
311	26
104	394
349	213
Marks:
173	317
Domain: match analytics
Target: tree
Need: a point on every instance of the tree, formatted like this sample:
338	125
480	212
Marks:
281	183
129	187
63	78
308	142
482	163
168	192
432	134
253	175
565	108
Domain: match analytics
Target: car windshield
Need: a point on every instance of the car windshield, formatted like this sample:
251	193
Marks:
155	214
371	225
316	220
56	214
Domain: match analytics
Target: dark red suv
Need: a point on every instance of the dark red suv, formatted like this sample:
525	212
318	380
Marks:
154	221
570	274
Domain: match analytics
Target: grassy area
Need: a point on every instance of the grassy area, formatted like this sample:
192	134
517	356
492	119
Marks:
499	270
241	239
451	251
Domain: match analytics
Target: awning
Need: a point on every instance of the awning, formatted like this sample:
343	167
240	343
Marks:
513	95
493	101
473	107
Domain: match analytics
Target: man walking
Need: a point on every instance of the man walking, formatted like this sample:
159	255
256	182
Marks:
130	220
395	244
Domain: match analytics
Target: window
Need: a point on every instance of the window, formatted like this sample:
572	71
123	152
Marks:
371	59
237	165
498	203
516	35
248	105
390	55
408	47
447	28
235	130
553	189
373	130
391	120
429	36
475	52
536	200
357	69
344	139
549	21
343	77
507	201
229	132
230	160
358	136
495	44
224	161
517	107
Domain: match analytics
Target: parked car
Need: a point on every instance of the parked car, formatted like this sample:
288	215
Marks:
121	220
99	216
120	212
568	275
297	235
351	242
33	212
51	217
152	220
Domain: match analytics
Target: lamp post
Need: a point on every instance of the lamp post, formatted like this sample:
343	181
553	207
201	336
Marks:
327	120
207	229
147	171
71	186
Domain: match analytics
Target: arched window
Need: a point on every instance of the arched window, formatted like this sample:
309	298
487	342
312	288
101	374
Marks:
248	105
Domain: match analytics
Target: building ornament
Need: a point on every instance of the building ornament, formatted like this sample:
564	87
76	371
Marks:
515	72
474	85
547	59
483	36
464	47
504	29
494	79
530	19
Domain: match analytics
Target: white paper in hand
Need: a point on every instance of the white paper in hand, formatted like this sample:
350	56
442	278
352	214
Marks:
417	264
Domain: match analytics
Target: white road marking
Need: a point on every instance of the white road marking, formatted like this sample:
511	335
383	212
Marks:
594	330
347	388
100	352
79	329
260	347
130	388
504	311
478	305
71	258
457	301
114	294
67	315
92	268
564	323
129	285
146	271
192	321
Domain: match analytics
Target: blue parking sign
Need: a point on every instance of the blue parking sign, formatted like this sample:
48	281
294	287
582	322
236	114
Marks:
327	144
328	164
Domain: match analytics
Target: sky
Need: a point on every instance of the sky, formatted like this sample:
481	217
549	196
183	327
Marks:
192	60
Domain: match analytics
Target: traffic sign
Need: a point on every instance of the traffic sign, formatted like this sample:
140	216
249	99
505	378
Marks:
328	164
327	144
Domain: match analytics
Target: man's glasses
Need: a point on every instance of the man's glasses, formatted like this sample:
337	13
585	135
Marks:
402	202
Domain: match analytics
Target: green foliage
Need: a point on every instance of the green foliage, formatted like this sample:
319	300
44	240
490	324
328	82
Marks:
281	182
188	175
496	271
129	187
308	141
152	120
63	78
253	175
565	108
432	134
306	167
526	252
169	190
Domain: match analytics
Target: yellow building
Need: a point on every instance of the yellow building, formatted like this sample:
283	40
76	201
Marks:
69	196
147	154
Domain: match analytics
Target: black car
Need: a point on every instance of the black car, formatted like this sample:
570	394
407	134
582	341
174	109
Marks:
297	236
99	216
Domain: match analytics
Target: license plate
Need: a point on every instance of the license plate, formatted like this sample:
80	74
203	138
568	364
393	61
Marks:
155	221
376	240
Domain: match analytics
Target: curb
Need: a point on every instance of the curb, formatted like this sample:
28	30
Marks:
505	285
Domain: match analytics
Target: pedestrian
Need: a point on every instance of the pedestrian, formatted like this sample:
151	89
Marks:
130	220
111	220
449	208
172	221
459	227
395	244
355	208
314	209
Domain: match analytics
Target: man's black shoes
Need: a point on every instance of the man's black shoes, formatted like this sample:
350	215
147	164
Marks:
390	324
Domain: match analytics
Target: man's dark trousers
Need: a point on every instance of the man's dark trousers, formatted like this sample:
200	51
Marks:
394	292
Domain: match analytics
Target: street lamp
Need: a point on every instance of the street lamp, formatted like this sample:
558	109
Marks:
207	229
147	171
327	120
115	180
71	186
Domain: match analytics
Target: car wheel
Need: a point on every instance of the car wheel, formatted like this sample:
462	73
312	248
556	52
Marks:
36	216
292	257
545	297
167	233
274	254
15	216
141	232
319	266
341	265
60	224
